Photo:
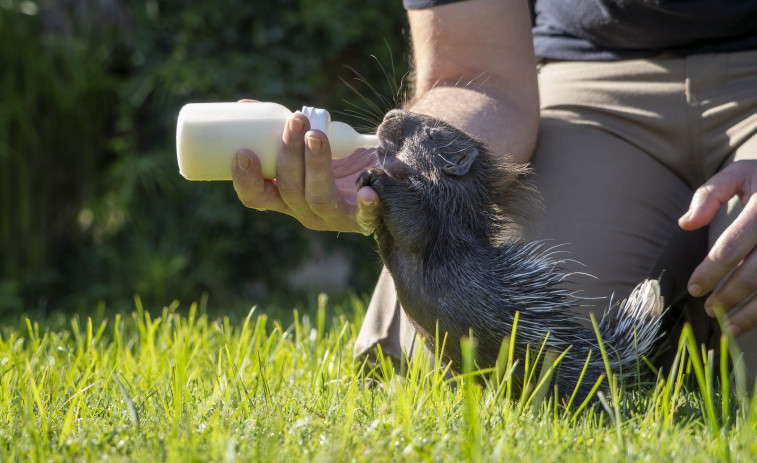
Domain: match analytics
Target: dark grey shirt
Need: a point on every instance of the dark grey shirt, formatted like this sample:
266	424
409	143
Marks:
621	29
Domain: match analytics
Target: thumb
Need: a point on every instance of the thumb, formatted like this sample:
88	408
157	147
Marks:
369	210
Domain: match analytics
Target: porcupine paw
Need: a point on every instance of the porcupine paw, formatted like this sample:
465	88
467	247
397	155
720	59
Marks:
370	177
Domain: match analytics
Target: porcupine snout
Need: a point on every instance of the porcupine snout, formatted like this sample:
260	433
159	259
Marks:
390	132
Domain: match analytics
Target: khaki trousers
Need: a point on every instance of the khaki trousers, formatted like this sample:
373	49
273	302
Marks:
622	146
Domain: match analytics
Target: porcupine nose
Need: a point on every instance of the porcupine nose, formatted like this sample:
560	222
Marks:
392	121
392	114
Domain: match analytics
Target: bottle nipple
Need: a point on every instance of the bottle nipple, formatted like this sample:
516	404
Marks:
343	139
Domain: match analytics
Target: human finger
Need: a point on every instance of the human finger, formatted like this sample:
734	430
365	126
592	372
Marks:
736	242
251	188
352	165
290	165
715	192
321	193
736	288
744	319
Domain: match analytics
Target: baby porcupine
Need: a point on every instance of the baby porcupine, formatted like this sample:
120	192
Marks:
447	206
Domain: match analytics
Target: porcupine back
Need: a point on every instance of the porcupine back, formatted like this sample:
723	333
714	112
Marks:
447	237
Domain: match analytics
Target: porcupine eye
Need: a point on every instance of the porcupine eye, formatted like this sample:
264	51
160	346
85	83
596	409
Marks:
429	133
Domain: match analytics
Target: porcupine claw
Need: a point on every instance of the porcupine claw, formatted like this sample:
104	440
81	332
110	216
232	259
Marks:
371	178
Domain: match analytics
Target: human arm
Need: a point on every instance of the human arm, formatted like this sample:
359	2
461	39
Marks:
734	254
474	68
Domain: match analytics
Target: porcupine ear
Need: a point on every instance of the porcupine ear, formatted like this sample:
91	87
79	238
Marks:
459	163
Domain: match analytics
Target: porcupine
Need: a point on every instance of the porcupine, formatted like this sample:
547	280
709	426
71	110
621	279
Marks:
447	206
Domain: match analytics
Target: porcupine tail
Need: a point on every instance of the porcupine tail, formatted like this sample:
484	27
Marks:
631	328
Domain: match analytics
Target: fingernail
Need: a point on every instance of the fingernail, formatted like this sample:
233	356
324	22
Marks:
695	290
708	308
314	143
243	162
295	125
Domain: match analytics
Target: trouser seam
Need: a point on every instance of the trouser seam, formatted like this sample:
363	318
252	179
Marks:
693	107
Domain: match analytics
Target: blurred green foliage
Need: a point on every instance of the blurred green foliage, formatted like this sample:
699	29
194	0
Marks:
91	203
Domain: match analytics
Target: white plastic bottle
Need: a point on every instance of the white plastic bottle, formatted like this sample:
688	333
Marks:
209	134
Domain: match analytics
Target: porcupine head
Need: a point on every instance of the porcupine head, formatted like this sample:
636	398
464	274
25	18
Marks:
446	236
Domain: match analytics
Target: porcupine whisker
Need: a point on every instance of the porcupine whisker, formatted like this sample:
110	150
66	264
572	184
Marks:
461	150
393	79
359	77
361	115
400	98
383	158
372	114
385	101
445	159
375	112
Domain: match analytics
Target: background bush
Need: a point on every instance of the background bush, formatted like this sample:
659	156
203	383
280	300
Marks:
91	203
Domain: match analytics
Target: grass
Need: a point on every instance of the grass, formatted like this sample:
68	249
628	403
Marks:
191	388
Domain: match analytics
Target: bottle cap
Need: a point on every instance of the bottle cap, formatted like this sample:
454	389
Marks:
319	118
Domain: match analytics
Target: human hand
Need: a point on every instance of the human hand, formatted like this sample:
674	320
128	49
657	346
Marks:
734	251
309	185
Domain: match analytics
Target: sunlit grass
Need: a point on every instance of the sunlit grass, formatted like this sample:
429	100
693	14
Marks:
193	388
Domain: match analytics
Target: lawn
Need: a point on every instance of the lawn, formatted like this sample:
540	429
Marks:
185	386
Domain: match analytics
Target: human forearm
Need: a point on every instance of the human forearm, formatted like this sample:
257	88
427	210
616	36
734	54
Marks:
508	126
475	68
